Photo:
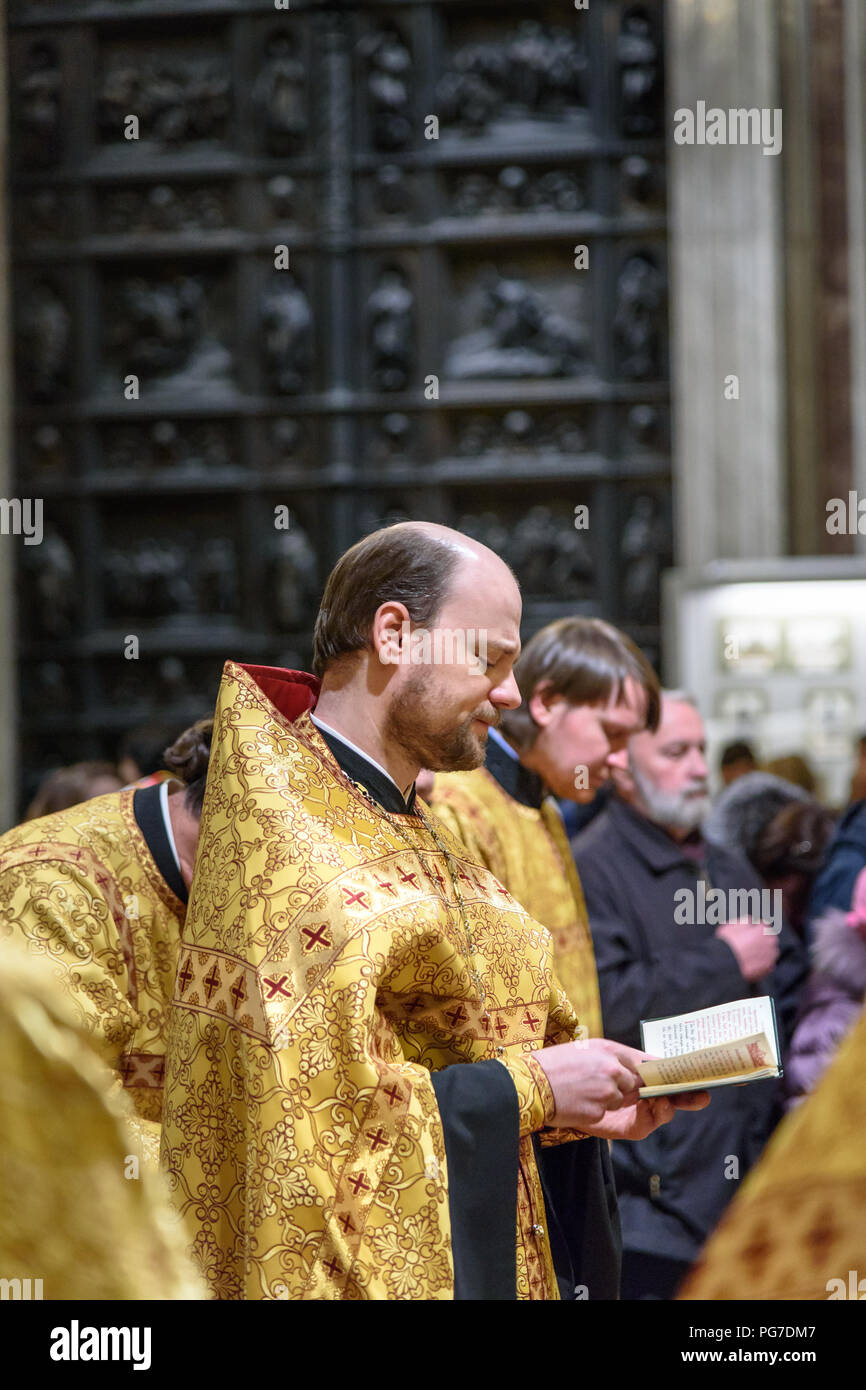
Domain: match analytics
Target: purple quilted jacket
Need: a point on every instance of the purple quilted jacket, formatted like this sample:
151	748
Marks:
831	1002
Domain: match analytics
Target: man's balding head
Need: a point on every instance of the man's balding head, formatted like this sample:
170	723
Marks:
415	640
419	564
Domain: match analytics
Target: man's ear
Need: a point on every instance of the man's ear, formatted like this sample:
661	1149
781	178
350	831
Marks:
542	704
389	632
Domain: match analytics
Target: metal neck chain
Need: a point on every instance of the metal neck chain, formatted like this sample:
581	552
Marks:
471	948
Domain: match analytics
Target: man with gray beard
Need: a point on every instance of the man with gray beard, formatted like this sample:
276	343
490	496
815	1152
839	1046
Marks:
638	861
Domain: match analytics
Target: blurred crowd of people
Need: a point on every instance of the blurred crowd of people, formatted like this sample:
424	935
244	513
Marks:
642	827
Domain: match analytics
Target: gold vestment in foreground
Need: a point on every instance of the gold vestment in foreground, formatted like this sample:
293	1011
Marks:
76	1213
325	971
799	1221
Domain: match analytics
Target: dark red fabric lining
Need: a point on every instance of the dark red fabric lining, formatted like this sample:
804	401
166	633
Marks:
293	692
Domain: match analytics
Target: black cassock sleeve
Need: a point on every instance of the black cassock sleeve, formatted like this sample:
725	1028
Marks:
480	1118
582	1216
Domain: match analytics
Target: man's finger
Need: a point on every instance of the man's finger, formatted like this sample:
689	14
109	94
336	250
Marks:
661	1109
628	1080
691	1100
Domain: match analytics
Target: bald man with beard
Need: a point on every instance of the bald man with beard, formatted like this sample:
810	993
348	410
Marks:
367	1030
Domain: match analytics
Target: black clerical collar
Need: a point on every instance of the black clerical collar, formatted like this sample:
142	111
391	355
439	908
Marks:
359	767
517	781
148	814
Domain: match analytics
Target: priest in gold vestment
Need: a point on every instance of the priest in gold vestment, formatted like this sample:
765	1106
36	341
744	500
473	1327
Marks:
586	688
797	1227
99	891
344	959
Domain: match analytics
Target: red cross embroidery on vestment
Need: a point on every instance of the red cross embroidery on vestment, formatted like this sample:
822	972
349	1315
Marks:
276	987
359	897
318	937
212	982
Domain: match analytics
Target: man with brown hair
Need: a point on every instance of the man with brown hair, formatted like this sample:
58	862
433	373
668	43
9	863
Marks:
367	1027
585	689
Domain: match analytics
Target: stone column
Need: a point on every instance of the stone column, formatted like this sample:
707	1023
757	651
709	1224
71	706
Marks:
855	134
726	259
8	668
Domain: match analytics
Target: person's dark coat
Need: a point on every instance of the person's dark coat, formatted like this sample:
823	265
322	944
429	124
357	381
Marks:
674	1185
846	856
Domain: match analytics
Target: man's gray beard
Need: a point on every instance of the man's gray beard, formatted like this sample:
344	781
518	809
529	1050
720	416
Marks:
671	810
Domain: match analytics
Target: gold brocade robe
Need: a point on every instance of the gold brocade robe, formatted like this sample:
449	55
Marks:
81	889
325	971
72	1214
527	850
797	1227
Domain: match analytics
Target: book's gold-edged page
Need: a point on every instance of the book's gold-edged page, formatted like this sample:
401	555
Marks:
755	1055
740	1079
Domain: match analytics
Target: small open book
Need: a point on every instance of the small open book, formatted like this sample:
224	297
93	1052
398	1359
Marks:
721	1046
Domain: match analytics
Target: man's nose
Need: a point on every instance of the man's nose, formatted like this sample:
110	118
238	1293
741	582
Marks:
507	694
618	758
698	765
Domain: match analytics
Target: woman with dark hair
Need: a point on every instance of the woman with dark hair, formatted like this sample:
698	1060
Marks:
782	830
789	852
69	786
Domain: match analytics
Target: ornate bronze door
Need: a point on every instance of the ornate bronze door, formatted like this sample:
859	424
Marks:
282	274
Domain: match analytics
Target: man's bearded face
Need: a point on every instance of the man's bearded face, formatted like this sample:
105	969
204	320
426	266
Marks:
684	809
667	770
424	720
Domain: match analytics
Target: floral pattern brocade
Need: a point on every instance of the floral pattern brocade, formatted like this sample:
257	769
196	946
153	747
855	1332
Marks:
80	889
527	849
324	972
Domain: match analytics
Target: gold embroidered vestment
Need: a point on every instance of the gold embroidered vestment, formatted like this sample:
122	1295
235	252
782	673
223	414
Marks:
325	971
527	849
797	1227
72	1214
81	889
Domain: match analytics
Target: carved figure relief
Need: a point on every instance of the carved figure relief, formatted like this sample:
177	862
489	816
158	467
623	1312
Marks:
521	335
286	321
390	309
